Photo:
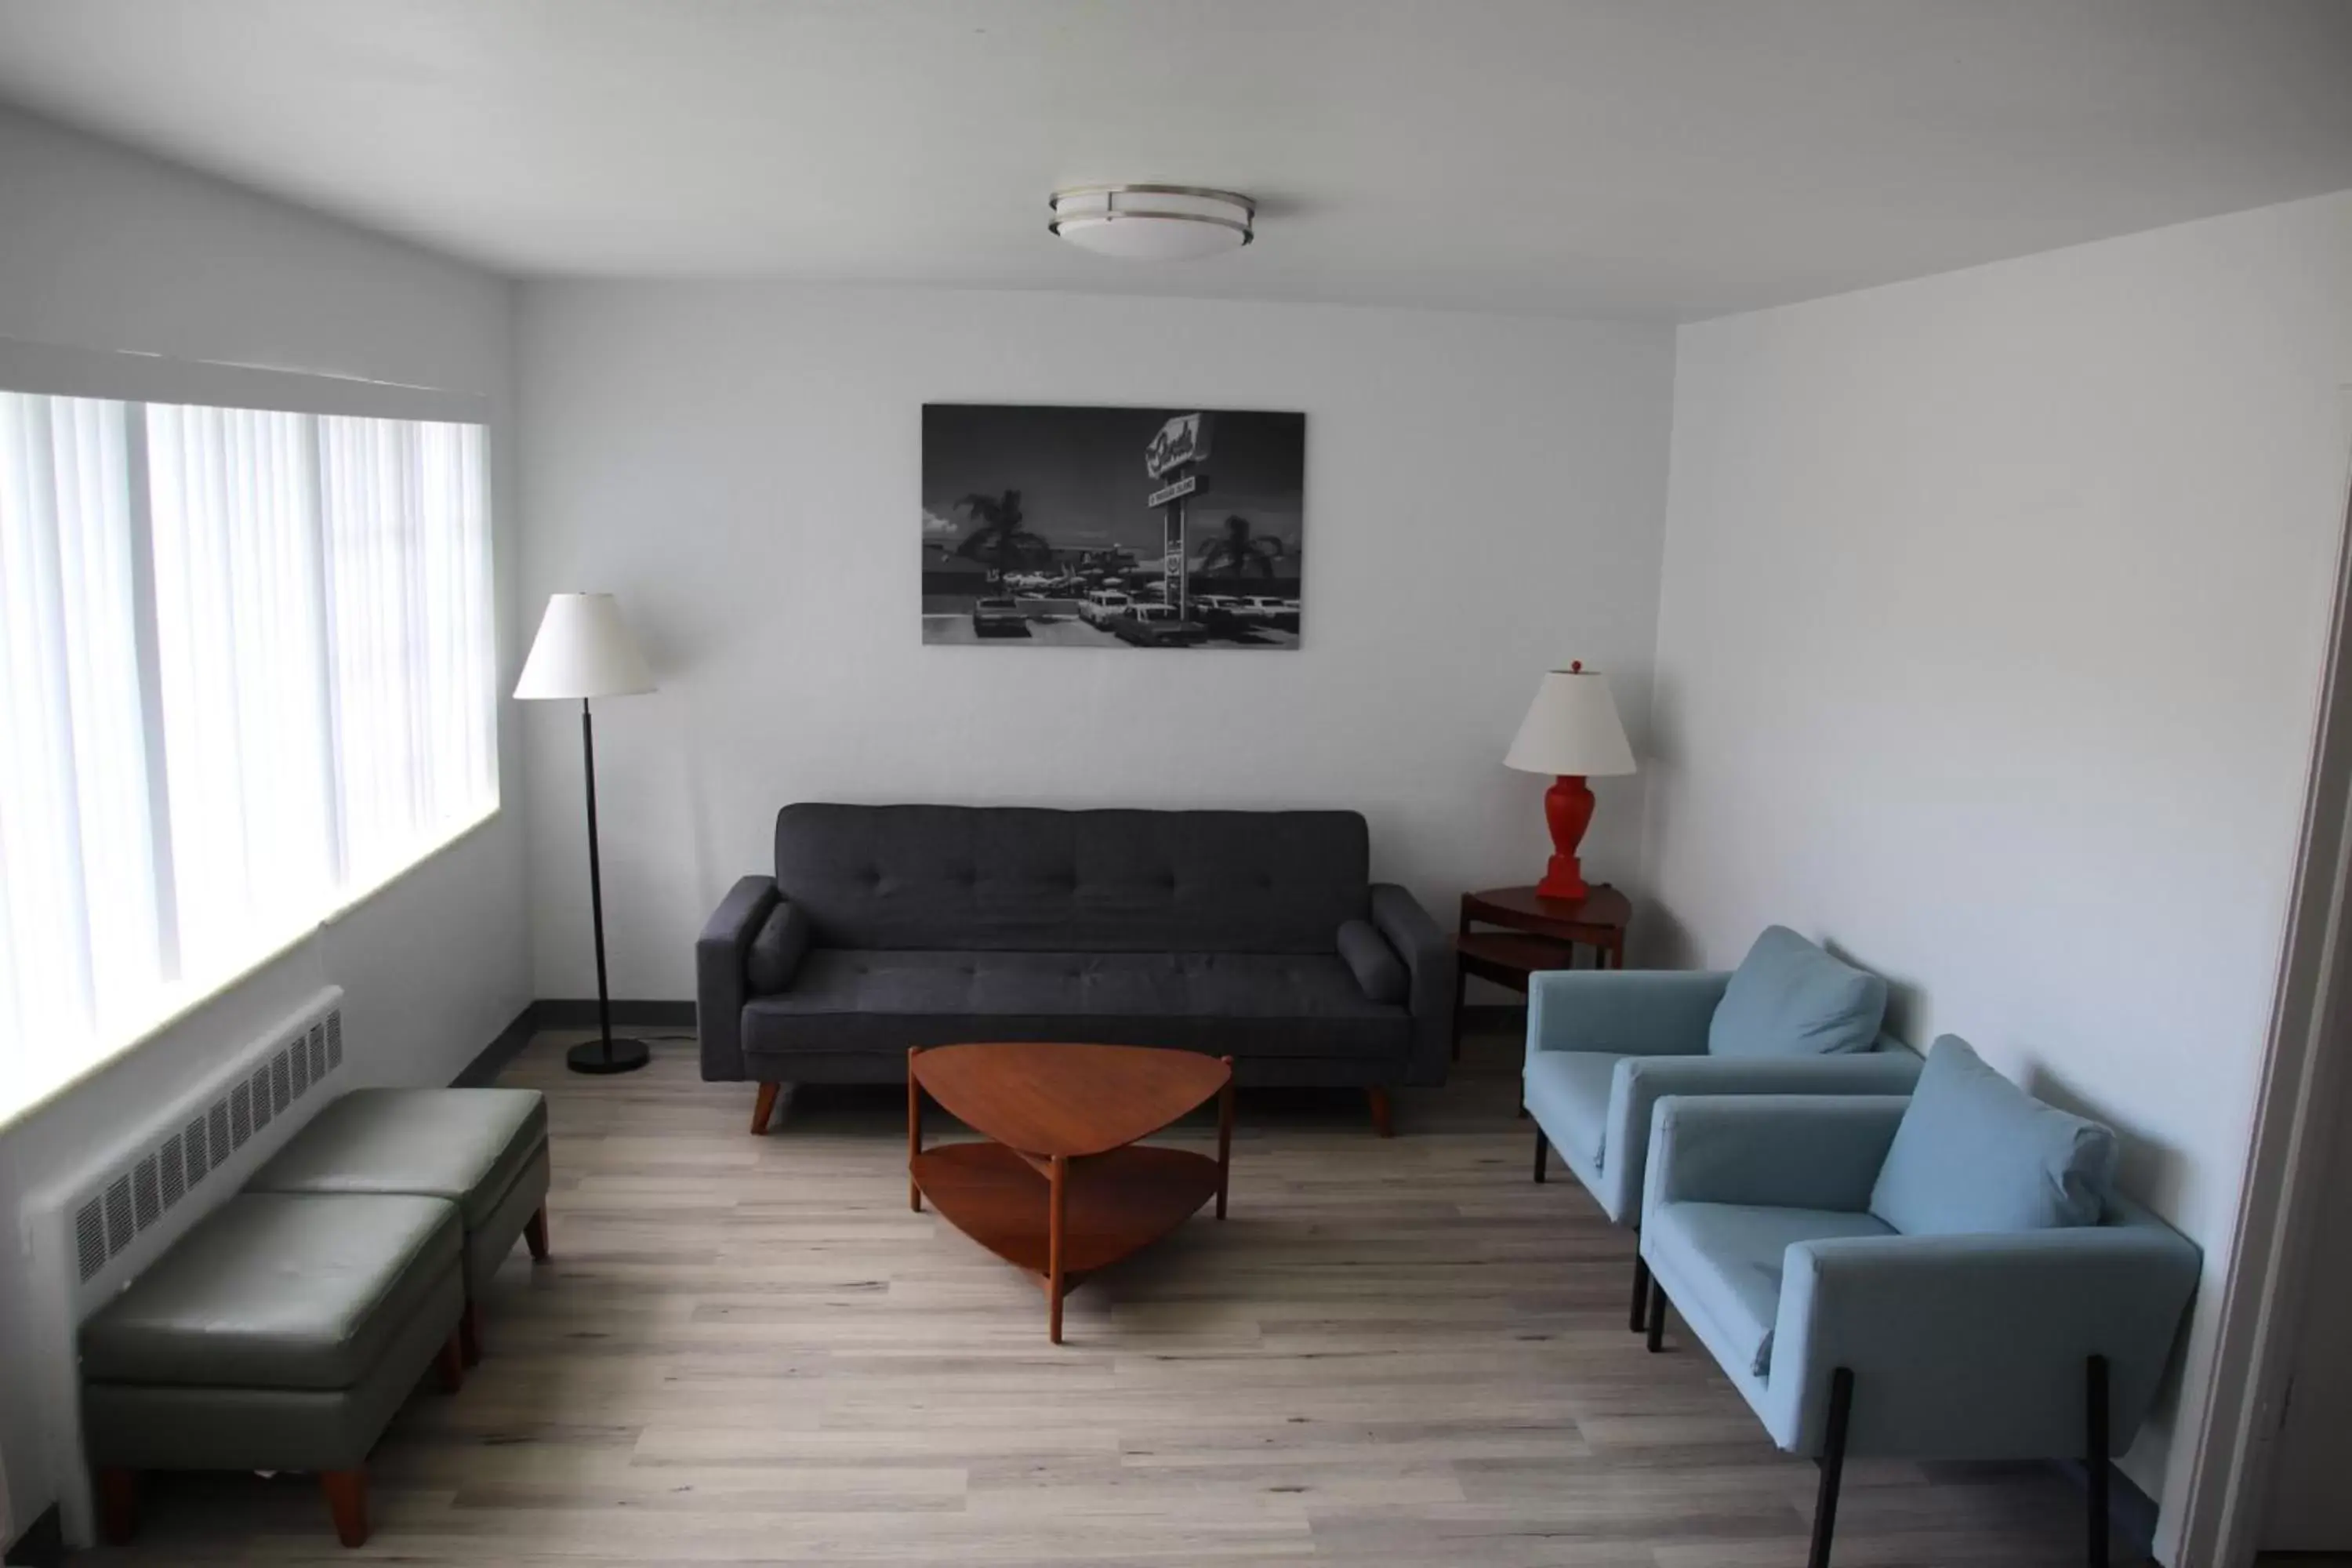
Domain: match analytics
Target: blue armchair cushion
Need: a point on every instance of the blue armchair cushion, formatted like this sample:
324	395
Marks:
1975	1153
1789	998
1373	962
1726	1260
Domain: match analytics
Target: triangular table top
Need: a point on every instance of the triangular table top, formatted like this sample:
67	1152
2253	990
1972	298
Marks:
1047	1098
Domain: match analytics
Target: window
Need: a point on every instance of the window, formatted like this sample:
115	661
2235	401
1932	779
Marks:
245	675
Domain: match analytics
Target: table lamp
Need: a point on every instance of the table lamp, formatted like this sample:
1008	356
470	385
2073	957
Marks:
1571	732
584	649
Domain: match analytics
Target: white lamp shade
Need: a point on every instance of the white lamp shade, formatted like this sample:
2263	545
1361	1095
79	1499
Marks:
584	649
1571	728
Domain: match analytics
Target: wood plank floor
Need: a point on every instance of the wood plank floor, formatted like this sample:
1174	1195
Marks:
749	1350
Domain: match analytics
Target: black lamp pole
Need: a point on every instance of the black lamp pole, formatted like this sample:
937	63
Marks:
604	1054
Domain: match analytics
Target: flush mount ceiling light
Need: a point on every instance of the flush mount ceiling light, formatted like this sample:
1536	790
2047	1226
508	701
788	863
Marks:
1152	223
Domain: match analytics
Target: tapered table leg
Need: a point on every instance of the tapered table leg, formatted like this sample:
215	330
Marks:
1056	1202
914	1132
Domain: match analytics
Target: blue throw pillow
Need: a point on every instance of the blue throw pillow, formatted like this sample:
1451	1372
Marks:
1974	1153
1789	998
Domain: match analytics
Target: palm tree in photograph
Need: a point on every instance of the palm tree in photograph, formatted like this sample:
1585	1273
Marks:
1238	554
998	541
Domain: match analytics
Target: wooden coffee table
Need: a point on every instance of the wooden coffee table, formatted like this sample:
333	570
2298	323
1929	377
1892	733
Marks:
1064	1188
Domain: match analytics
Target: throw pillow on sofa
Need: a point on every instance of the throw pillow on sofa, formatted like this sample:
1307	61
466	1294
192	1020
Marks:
1375	963
1974	1153
1789	998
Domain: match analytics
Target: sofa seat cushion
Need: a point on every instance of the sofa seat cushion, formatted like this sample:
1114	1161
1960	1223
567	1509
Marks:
467	1145
1299	1004
279	1291
1790	999
1568	1094
1721	1263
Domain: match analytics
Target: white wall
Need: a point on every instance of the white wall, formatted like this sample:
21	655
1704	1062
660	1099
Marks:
742	464
1989	644
102	249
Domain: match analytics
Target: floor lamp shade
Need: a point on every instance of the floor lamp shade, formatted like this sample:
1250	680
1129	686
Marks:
584	649
1572	732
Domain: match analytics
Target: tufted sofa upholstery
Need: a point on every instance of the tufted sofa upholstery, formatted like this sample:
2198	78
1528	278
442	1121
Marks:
886	927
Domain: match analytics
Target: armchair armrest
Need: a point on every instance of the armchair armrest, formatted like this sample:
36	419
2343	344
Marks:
1641	1012
1803	1151
719	982
1639	1083
1429	972
1974	1347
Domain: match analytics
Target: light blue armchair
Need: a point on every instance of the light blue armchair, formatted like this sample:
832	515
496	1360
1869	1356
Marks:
1605	1046
1845	1335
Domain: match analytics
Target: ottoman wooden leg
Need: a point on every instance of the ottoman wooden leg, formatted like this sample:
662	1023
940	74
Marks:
470	1334
118	1504
763	1107
451	1363
534	1233
346	1501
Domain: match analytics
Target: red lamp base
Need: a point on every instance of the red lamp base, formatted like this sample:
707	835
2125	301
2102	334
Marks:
1568	811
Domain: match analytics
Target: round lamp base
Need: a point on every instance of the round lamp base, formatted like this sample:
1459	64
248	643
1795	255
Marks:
591	1056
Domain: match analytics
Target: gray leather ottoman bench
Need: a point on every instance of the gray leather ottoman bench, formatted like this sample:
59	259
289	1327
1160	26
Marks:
483	1150
281	1333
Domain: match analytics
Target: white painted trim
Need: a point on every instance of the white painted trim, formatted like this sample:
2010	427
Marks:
2304	1059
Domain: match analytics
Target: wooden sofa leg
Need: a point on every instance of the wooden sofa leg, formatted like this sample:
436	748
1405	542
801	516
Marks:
118	1504
2094	1453
470	1334
1654	1328
763	1107
1379	1100
347	1501
1640	1318
534	1233
1832	1467
449	1361
1543	1155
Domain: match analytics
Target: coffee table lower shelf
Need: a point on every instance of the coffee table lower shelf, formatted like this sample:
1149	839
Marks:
1114	1204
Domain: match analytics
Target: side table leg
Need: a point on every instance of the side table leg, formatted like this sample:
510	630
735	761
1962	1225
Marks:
1056	1202
1224	1137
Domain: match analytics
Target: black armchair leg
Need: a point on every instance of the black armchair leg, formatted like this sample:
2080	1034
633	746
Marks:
1832	1467
1656	1328
1543	1153
2094	1453
1639	1319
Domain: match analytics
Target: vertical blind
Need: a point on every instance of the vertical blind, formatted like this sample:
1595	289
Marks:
245	674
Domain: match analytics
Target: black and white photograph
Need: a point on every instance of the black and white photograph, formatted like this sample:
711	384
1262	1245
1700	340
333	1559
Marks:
1086	527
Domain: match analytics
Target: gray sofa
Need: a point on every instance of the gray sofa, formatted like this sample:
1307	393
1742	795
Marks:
1257	935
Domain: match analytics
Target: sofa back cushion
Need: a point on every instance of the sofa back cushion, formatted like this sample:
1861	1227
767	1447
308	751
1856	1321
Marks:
1974	1153
1789	998
1020	879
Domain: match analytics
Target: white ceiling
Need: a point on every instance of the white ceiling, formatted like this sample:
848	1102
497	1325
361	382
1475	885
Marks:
1654	158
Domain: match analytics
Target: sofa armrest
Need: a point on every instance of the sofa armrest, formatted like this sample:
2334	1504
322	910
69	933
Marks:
719	984
1974	1347
1803	1151
1428	971
1639	1083
1640	1012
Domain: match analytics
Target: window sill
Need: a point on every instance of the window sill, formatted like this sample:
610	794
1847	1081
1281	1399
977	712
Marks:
176	1005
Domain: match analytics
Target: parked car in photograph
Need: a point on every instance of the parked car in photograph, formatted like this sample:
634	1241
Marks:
999	618
1104	606
1157	625
1215	609
1282	614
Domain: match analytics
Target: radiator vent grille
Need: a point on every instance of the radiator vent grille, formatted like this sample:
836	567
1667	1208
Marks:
158	1179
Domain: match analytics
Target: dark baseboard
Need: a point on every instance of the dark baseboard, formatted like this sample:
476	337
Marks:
1494	1015
565	1013
43	1544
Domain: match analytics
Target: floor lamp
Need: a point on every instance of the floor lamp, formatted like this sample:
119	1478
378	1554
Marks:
584	649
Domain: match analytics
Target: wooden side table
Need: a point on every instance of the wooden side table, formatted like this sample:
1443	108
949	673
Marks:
1536	933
